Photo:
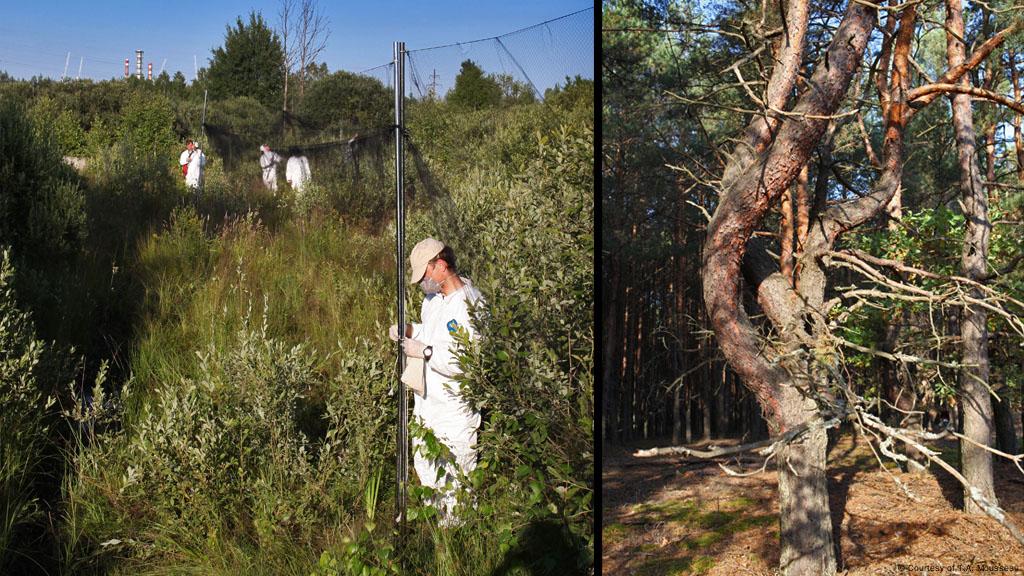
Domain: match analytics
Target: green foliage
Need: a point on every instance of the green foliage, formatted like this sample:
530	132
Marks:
22	418
576	93
41	211
100	137
146	125
221	459
250	63
348	102
223	440
53	120
527	231
513	91
365	554
244	116
473	89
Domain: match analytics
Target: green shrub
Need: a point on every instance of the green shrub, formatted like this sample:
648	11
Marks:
533	372
247	437
22	418
349	103
523	231
41	208
220	462
60	123
146	126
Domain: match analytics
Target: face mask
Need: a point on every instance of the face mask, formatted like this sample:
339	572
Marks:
430	286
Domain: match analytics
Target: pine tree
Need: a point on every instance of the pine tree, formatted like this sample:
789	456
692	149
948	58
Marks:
251	63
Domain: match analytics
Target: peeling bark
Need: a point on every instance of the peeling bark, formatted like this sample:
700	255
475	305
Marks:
786	236
759	172
747	196
803	208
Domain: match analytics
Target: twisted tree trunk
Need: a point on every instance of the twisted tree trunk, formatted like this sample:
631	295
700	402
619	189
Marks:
788	376
759	171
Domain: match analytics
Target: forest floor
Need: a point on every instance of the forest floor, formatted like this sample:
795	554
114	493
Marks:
671	515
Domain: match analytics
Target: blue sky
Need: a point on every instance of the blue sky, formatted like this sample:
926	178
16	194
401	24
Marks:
36	36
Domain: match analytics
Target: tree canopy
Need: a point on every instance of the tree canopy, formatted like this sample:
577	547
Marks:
250	63
347	101
473	89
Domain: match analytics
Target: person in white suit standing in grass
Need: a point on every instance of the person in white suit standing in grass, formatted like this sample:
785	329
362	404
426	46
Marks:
431	346
192	161
297	170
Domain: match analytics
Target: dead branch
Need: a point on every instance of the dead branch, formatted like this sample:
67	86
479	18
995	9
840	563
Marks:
763	447
990	508
918	94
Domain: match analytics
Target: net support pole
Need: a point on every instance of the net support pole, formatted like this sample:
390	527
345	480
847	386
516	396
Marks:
202	123
402	452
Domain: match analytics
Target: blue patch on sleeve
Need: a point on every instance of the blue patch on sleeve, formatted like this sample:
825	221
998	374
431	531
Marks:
452	326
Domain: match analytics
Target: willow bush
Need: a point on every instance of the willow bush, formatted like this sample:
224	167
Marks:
23	419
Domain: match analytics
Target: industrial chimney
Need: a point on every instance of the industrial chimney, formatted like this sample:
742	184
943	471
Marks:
138	64
126	67
149	74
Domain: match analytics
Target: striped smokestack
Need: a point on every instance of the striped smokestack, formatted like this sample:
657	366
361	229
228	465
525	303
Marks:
126	67
138	64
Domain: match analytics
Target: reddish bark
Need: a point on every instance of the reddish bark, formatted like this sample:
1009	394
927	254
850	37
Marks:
786	236
803	208
1018	140
759	172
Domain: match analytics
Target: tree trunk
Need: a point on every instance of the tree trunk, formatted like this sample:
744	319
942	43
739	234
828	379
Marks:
721	416
977	462
628	343
677	416
706	398
688	417
786	235
1006	434
807	546
287	73
904	396
759	171
1018	138
719	404
803	208
609	382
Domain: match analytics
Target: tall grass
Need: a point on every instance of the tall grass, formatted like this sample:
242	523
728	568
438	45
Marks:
251	421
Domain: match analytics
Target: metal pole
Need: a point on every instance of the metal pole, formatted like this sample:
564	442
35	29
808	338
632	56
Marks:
402	461
202	123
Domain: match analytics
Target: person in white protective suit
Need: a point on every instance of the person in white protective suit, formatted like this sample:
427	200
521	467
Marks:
440	406
296	171
192	161
268	163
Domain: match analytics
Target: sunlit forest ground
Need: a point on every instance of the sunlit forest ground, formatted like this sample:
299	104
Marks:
667	515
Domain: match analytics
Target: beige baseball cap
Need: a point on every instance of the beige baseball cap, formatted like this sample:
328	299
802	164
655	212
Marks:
422	254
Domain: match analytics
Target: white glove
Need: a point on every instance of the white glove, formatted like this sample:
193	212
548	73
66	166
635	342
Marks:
393	332
413	348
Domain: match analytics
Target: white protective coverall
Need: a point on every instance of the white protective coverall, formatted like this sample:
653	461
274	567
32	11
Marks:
268	163
442	408
297	172
196	161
